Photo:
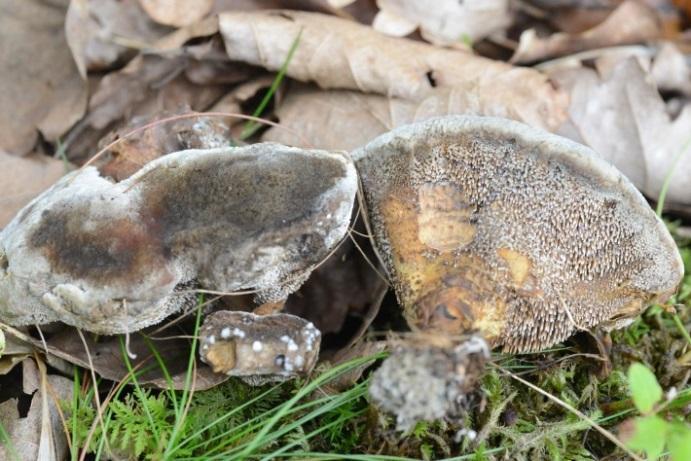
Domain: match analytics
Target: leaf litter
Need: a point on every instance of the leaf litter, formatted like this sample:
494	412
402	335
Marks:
124	65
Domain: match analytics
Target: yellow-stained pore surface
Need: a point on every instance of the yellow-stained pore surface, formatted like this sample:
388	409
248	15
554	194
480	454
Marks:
489	225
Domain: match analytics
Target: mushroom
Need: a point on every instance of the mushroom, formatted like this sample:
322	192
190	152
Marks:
259	348
114	257
487	225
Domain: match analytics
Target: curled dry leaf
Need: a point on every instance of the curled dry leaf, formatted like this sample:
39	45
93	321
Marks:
102	32
119	91
12	352
179	37
671	70
147	86
40	85
632	22
131	153
622	116
22	179
336	53
340	3
488	225
39	434
115	257
445	22
320	6
105	354
177	13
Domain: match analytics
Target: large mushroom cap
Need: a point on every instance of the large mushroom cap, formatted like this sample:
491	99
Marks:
487	224
107	257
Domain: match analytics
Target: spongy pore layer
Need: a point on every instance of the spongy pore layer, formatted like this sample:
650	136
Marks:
487	224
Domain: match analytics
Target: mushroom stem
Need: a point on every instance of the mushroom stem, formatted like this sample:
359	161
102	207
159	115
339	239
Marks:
429	378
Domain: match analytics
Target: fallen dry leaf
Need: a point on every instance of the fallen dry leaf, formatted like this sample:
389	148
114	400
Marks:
632	22
321	6
337	119
148	85
176	39
685	5
575	16
622	117
337	53
106	355
13	352
671	70
360	349
39	434
119	91
445	22
40	85
235	99
177	13
132	153
101	33
349	119
22	179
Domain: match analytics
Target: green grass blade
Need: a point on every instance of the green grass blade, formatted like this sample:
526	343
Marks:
169	380
306	390
7	443
139	392
251	126
217	421
668	178
187	391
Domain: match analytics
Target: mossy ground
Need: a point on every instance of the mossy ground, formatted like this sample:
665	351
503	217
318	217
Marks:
508	420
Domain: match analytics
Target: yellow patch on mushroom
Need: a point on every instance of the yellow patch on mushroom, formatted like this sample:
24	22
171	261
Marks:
446	292
519	264
221	356
444	217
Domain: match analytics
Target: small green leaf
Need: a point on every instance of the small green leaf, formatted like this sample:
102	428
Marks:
680	444
645	390
649	436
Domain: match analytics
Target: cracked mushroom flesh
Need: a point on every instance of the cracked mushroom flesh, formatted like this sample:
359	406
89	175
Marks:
113	257
488	225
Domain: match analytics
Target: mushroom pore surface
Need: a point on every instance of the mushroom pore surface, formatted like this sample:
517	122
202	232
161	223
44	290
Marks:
487	224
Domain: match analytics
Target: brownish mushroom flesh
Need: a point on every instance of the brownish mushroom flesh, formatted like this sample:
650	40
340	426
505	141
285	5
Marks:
487	225
114	257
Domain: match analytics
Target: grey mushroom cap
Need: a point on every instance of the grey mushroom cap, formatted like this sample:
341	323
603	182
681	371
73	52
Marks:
486	223
116	257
